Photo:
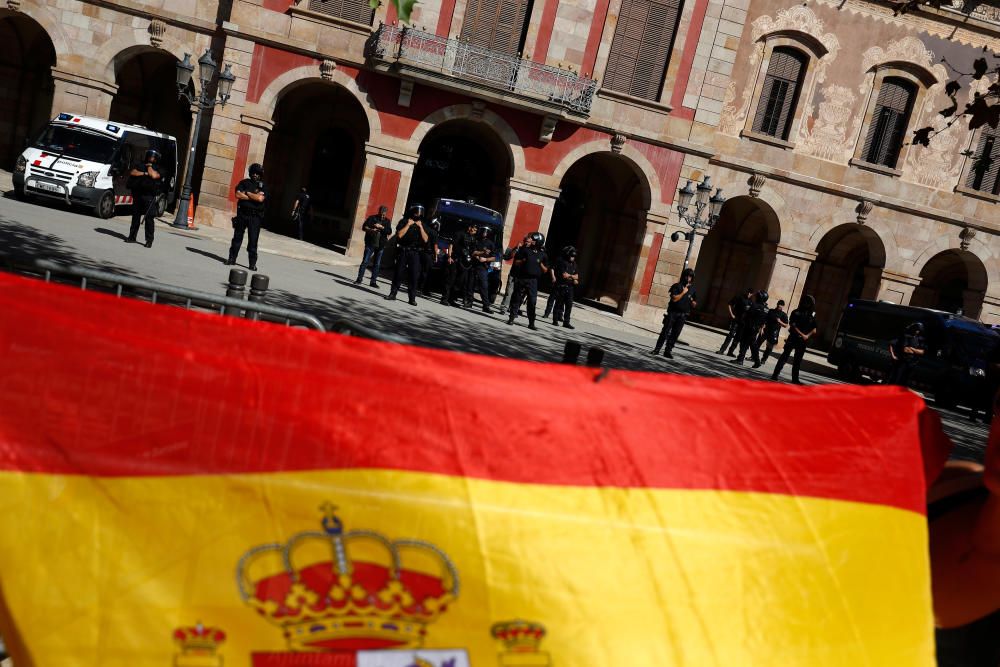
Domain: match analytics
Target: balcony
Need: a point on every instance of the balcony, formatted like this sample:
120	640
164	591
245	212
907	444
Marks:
450	62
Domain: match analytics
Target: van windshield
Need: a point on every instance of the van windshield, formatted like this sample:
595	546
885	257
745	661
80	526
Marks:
77	142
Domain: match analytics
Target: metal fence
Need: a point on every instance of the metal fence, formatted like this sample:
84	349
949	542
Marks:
475	64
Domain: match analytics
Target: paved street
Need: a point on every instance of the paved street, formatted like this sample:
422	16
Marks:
319	281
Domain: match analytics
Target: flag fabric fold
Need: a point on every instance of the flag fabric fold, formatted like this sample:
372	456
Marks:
183	489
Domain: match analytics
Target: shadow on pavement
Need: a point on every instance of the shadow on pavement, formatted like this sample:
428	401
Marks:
26	244
205	253
111	232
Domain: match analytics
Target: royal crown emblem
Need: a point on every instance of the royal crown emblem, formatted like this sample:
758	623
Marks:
521	642
198	645
355	590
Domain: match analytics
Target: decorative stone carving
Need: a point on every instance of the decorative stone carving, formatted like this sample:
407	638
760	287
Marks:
756	183
908	49
799	19
863	209
157	29
326	69
405	92
938	165
478	107
728	121
13	5
828	137
617	143
965	237
548	128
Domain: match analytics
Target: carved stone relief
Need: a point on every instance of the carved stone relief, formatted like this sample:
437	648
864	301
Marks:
828	136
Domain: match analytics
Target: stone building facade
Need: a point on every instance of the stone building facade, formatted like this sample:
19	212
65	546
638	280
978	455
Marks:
579	118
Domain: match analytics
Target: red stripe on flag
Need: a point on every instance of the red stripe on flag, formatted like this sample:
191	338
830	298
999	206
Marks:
95	385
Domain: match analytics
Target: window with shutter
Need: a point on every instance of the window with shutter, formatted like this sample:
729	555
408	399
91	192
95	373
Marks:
359	11
780	92
640	48
888	125
985	172
498	25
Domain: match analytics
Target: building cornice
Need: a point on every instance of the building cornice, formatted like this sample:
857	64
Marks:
133	8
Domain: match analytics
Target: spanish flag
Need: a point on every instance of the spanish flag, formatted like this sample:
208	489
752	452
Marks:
191	490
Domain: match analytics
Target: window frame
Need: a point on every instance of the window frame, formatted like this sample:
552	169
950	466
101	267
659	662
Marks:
814	52
674	55
967	168
920	81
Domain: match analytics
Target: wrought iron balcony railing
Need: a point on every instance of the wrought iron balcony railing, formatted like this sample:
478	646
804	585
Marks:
474	64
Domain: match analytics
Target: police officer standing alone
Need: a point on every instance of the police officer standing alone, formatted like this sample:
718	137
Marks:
250	197
531	263
683	300
484	254
302	212
801	327
738	305
411	237
753	325
377	229
567	277
144	181
906	352
777	319
458	264
429	254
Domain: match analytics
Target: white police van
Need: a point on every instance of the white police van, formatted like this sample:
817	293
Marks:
86	161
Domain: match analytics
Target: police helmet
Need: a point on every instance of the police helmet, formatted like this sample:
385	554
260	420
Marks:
808	303
781	302
485	231
416	211
569	251
538	238
256	169
435	224
916	328
152	155
688	273
762	296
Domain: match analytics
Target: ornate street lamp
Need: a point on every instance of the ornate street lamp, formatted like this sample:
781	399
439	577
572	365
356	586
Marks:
702	200
206	72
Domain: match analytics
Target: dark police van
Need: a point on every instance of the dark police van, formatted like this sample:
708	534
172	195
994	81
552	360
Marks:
953	368
455	216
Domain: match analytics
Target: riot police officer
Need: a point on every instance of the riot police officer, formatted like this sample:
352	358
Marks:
906	352
683	299
753	324
567	277
411	237
484	254
777	319
738	305
145	181
377	229
511	289
429	254
459	262
531	263
801	327
250	197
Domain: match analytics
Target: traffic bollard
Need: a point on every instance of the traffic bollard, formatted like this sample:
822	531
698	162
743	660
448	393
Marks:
595	357
571	352
237	285
258	291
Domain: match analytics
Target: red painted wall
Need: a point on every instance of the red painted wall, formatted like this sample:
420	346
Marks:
391	16
268	64
526	220
667	166
545	30
445	17
385	187
594	38
647	275
278	5
239	164
687	59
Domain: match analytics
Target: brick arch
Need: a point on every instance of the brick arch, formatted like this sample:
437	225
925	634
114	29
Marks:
42	15
637	161
309	74
466	112
130	44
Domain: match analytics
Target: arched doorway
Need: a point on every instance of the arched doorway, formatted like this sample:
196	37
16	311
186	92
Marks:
318	141
26	87
462	159
848	265
602	211
953	281
736	254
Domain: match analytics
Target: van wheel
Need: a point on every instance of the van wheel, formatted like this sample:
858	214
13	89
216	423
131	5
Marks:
105	207
161	205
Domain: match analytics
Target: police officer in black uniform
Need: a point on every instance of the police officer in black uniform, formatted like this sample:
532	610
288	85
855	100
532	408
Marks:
531	263
567	277
250	198
145	181
801	327
377	229
484	254
906	352
777	319
411	237
429	254
753	326
738	305
512	275
459	262
683	299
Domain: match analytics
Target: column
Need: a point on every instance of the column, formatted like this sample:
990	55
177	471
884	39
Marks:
898	287
83	95
652	278
386	182
529	209
791	267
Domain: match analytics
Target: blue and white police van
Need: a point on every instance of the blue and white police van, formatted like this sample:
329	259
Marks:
455	216
84	161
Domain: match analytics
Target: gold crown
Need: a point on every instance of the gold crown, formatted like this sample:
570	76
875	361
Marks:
519	636
199	639
335	590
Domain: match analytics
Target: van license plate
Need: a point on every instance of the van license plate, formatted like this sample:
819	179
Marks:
48	187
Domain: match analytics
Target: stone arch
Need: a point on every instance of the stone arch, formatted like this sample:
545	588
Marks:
636	160
736	182
952	279
42	15
467	112
307	74
884	234
943	242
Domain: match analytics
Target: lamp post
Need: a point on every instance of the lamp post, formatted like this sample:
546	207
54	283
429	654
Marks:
702	200
206	72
